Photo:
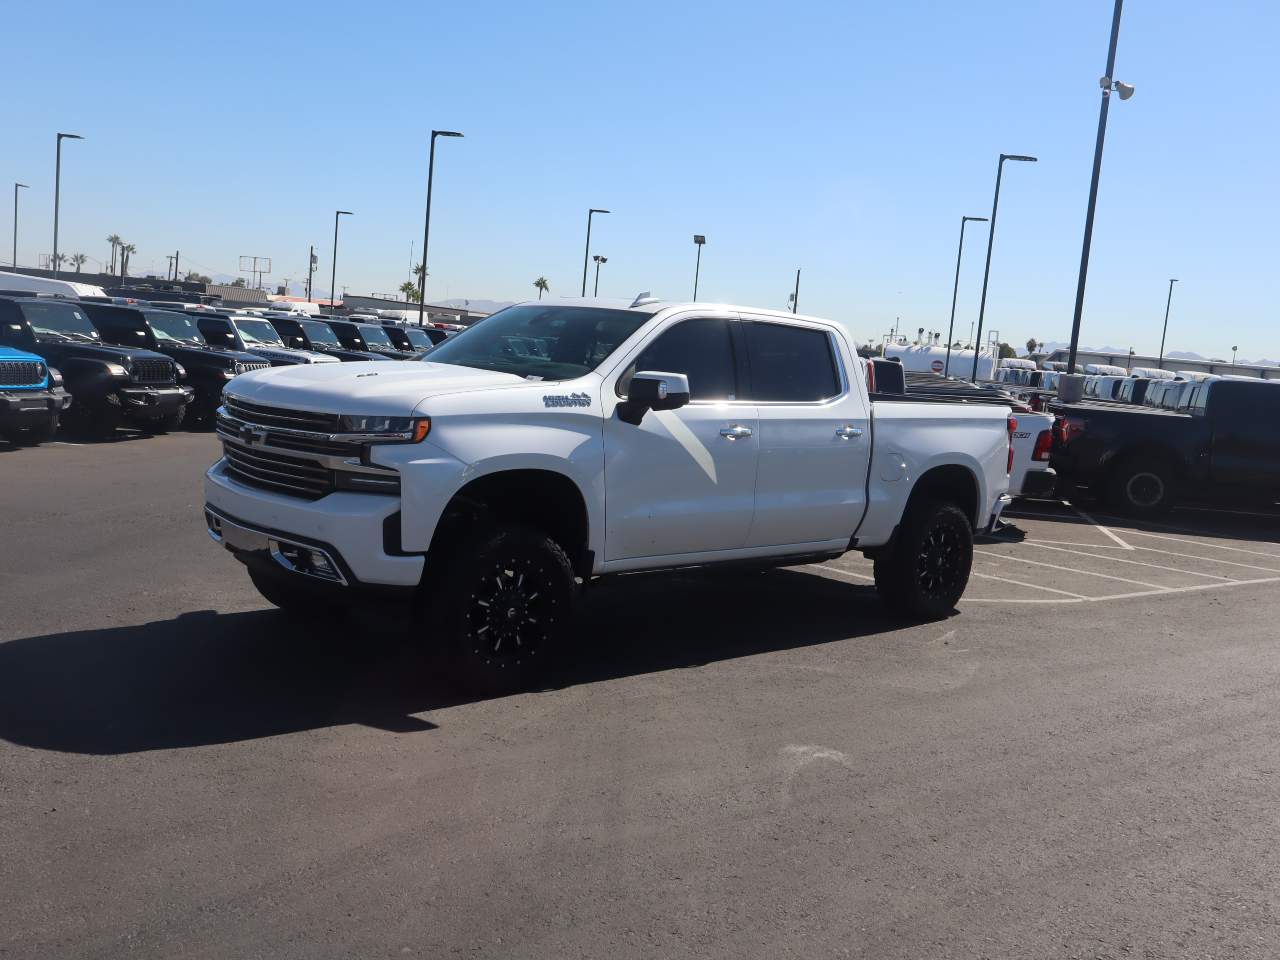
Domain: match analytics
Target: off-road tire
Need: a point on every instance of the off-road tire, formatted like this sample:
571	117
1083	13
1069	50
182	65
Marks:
923	573
502	609
34	436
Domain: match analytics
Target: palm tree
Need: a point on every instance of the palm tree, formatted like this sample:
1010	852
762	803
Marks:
1031	346
410	291
114	240
542	286
125	250
77	260
58	259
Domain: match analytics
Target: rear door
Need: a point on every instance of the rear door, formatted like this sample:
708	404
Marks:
815	437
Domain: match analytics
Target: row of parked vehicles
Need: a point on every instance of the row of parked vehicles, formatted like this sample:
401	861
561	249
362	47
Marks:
1145	439
95	364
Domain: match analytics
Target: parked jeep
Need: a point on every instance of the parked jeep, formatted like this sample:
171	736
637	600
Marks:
368	337
176	336
111	384
254	335
303	334
31	397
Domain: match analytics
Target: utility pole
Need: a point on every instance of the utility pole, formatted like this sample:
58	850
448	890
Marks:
16	186
795	297
169	274
176	254
311	268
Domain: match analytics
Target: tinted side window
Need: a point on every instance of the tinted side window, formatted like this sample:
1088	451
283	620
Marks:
790	364
701	350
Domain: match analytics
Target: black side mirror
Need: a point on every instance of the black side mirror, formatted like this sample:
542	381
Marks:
653	391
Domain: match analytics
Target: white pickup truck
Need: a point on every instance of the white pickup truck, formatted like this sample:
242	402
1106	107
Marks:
553	443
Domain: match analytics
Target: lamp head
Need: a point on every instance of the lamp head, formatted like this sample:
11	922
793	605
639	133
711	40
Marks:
699	239
1017	156
347	212
70	136
1124	89
596	210
445	133
975	219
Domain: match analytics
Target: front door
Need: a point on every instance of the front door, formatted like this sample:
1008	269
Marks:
682	481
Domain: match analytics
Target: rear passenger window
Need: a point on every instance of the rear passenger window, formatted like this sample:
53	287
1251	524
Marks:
701	350
790	364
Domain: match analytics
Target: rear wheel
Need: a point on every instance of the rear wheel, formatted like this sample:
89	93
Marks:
503	608
923	574
1143	487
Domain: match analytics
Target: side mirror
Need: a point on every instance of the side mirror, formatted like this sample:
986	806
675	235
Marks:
653	391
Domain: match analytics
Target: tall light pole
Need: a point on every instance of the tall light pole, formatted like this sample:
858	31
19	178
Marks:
15	222
795	297
426	227
1126	91
1233	357
991	236
599	260
587	252
333	275
698	241
1167	303
57	190
946	369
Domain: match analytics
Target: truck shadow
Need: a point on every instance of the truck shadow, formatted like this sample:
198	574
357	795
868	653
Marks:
206	678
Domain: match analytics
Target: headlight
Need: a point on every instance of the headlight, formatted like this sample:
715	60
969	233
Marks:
116	370
182	372
388	429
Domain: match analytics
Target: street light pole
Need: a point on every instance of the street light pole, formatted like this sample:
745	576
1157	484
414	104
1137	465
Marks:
1126	91
15	222
587	252
698	241
1233	357
946	369
333	275
991	236
795	297
1168	301
599	260
57	190
426	227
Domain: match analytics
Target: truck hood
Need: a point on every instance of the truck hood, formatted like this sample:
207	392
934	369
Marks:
390	389
96	351
10	353
291	355
194	356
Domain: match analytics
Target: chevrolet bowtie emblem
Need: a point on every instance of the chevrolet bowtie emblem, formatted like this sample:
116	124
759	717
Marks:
250	434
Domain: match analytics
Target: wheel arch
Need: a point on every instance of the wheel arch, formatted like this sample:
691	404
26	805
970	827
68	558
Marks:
950	483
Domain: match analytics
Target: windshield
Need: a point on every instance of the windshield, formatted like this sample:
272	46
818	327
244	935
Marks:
257	331
541	342
59	321
418	338
172	326
375	335
318	332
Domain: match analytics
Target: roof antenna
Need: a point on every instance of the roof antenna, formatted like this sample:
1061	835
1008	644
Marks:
642	298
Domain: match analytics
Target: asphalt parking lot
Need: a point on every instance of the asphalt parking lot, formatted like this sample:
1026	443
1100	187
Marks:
1081	763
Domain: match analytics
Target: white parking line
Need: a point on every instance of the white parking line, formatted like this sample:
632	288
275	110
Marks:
1033	586
1096	524
843	573
1054	566
1136	563
1202	543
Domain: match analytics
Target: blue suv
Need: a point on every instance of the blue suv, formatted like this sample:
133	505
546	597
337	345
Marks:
31	397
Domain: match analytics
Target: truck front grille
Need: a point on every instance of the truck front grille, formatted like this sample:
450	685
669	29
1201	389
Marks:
21	373
273	471
281	417
154	371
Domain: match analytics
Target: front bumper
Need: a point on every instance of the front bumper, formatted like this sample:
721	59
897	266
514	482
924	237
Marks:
151	403
22	408
350	528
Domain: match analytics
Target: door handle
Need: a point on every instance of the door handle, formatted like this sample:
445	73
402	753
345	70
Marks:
847	432
735	431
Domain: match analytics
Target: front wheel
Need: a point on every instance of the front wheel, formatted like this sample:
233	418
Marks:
33	436
503	608
923	574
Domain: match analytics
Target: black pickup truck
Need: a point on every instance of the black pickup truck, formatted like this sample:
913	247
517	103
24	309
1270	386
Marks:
208	368
109	384
1224	446
316	335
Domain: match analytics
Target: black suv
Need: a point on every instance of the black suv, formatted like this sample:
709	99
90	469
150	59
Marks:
368	338
316	335
414	339
109	384
175	335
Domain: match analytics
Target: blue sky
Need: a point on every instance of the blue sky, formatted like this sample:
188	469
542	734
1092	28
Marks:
843	138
